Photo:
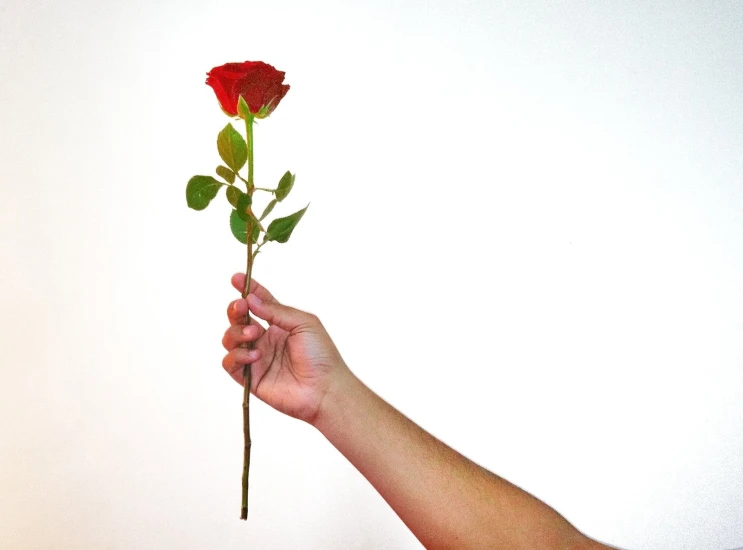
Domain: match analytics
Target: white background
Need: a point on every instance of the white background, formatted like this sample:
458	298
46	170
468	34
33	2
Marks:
525	232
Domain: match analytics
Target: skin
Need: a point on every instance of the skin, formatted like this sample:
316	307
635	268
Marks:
445	499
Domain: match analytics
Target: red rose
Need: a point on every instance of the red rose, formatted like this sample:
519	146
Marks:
259	83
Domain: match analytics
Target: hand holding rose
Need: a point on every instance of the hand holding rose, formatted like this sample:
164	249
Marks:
295	363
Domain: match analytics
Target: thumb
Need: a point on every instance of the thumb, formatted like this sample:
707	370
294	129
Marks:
284	317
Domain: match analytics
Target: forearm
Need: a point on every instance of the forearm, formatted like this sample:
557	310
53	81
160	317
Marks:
446	500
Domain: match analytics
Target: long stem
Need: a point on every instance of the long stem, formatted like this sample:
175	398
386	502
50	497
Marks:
247	371
249	131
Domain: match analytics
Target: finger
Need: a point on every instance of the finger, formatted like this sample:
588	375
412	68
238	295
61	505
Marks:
236	312
238	281
234	361
239	334
285	317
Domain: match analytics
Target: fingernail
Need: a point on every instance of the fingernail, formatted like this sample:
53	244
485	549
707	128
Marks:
246	331
256	300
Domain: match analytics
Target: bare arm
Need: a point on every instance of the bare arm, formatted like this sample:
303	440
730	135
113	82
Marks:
446	500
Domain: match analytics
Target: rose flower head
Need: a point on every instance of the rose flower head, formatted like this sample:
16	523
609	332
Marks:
260	85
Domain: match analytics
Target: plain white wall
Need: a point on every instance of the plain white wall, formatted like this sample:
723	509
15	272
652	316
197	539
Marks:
526	233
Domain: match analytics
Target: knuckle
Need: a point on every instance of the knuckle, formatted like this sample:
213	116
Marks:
231	338
230	362
234	310
313	319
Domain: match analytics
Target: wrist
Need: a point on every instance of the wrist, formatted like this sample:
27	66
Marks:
342	386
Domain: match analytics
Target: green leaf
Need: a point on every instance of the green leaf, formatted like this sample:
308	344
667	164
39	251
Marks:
243	204
232	148
239	227
285	185
200	191
233	194
226	174
267	211
281	228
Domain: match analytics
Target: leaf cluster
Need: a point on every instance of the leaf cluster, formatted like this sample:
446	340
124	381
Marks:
201	190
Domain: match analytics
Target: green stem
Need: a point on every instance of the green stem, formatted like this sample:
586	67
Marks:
257	248
242	178
247	371
264	189
249	131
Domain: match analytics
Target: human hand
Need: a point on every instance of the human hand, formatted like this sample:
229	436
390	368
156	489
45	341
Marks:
294	362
